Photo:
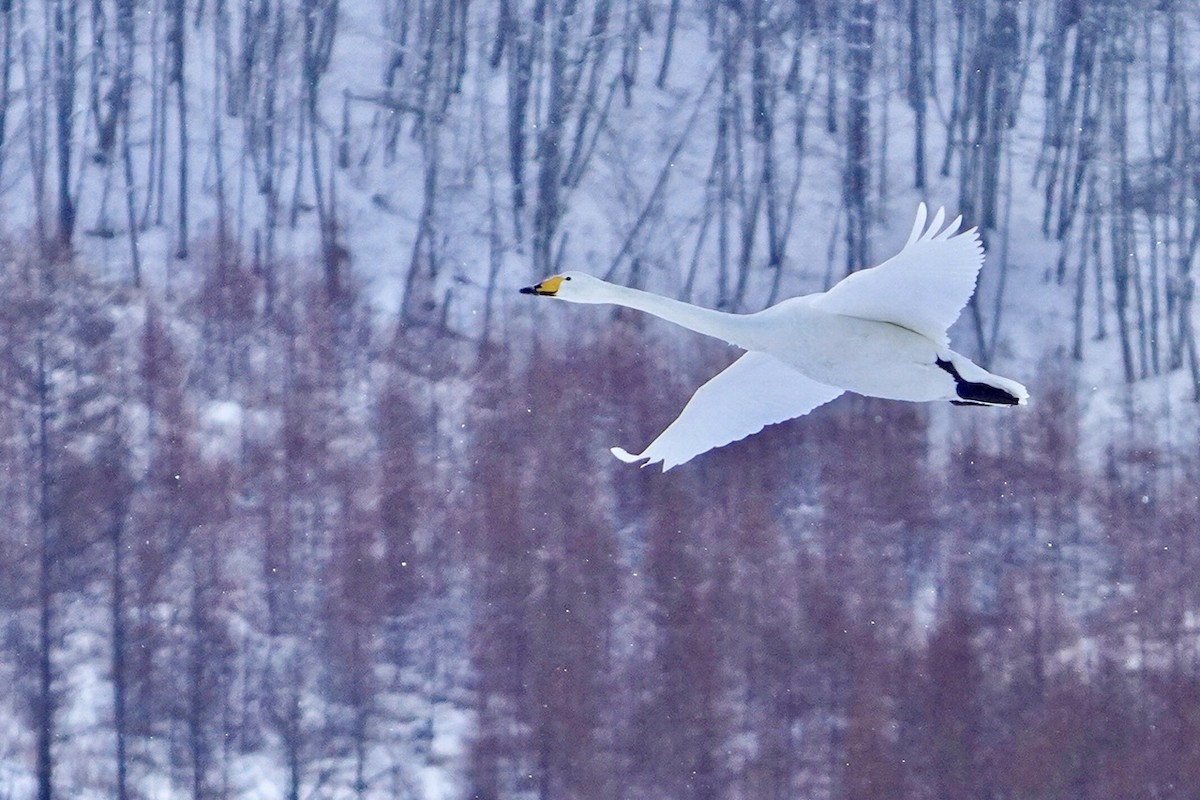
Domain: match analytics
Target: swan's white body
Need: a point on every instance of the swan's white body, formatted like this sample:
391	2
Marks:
880	332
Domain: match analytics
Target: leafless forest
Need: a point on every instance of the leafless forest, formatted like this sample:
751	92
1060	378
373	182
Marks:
301	500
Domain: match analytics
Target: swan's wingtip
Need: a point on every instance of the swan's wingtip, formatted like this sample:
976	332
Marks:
631	458
624	455
918	228
939	217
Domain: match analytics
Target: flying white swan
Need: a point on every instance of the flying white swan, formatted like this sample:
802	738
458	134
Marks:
880	332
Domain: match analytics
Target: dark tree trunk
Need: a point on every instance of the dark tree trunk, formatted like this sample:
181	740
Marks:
856	175
176	56
916	92
45	707
119	644
65	46
548	212
7	18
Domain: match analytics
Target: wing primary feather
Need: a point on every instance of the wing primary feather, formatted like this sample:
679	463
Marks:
950	230
936	225
918	226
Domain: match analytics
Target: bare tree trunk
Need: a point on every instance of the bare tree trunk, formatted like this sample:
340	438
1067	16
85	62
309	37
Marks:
6	64
119	644
418	303
1054	52
198	697
860	38
1153	284
1115	93
65	45
176	56
722	157
270	177
916	92
706	216
1001	50
124	88
1082	135
954	132
221	102
1189	336
320	28
155	180
37	100
593	112
106	114
1087	237
668	44
292	745
495	234
548	212
46	705
763	108
520	76
1120	241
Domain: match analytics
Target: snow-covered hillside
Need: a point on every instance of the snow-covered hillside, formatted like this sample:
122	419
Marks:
302	499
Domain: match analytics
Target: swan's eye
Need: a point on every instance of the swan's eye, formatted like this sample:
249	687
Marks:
567	278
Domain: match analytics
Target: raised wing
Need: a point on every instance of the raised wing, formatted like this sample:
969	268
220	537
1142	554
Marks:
755	391
923	287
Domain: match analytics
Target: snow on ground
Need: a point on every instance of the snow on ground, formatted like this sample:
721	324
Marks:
379	206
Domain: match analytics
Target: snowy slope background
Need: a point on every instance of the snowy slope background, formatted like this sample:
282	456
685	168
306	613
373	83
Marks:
318	506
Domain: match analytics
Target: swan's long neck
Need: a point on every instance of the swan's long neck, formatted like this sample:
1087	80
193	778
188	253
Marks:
732	328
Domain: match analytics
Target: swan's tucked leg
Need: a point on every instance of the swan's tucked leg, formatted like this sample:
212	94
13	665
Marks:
755	391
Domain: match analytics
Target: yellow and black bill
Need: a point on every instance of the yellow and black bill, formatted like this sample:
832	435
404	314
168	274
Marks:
548	287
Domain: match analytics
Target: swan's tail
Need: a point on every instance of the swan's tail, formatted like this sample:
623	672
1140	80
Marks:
975	386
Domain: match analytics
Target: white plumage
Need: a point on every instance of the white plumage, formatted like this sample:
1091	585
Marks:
880	332
923	287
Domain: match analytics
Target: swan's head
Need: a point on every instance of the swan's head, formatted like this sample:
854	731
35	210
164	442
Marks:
574	287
